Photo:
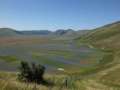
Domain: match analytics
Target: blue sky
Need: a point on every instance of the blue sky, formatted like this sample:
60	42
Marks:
58	14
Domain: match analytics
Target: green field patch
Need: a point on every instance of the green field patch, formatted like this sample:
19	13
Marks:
99	63
65	54
102	64
44	59
9	59
69	55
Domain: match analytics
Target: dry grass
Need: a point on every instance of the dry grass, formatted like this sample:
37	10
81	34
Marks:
8	81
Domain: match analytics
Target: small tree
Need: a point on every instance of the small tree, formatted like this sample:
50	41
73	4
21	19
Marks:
31	73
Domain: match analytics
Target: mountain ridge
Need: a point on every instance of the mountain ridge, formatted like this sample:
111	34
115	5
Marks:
60	32
105	36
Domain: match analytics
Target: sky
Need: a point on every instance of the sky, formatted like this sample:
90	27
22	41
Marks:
58	14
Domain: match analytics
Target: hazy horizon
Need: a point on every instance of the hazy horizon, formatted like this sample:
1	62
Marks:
60	28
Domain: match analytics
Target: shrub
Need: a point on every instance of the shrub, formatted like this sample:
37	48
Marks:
31	72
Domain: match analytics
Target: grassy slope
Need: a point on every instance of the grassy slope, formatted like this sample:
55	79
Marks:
106	38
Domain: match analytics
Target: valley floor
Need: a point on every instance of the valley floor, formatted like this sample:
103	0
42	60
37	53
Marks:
107	79
103	76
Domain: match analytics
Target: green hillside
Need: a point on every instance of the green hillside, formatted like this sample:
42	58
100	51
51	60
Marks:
105	37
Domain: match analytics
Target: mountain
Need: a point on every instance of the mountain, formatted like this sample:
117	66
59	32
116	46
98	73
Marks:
61	33
82	32
8	32
69	34
105	36
12	32
36	32
64	32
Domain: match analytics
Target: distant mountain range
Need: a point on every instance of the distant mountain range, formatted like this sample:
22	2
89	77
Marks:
36	32
61	32
97	35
